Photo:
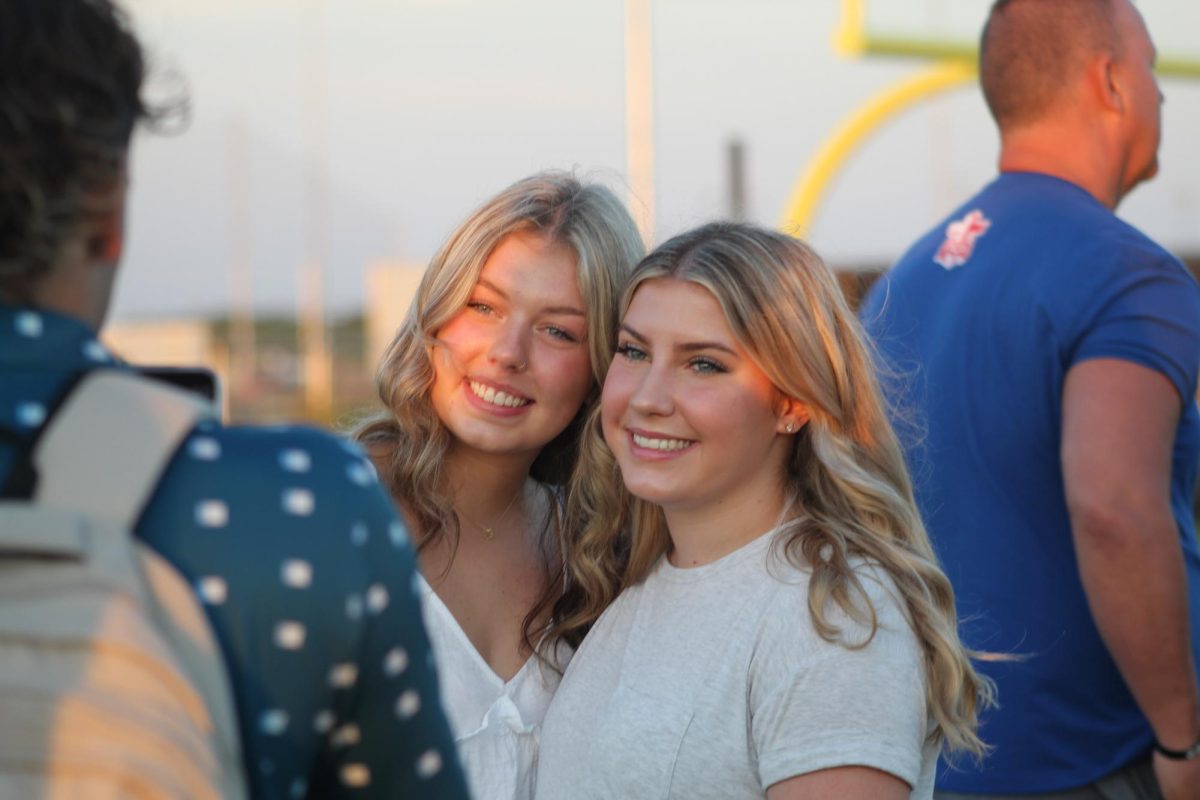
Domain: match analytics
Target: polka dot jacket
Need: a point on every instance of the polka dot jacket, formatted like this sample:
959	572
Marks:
307	577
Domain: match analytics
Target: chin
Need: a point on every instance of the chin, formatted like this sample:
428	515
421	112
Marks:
655	492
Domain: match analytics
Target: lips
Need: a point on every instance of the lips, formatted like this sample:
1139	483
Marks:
501	398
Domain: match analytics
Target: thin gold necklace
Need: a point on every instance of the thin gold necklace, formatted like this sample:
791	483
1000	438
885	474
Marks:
489	533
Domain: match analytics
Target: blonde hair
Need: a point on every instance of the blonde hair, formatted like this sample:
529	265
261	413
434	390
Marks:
588	219
846	471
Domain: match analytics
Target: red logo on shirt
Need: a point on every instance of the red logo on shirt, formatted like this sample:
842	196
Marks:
960	239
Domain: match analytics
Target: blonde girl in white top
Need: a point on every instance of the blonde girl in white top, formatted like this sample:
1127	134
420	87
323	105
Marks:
485	387
782	629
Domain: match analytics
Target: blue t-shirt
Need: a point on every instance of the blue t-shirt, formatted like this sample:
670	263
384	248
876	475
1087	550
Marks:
305	572
977	326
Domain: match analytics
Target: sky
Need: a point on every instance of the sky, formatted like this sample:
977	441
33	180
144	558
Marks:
358	131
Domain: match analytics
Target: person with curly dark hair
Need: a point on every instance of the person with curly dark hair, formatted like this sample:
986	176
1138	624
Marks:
292	548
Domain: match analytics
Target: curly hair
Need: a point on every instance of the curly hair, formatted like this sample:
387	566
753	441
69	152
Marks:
71	74
597	228
845	473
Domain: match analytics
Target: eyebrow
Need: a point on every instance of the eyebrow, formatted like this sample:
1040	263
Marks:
687	347
569	310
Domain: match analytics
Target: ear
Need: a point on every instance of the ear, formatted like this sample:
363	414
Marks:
106	239
105	232
793	415
1107	82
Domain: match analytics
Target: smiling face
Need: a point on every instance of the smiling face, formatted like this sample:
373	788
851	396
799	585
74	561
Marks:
511	369
691	419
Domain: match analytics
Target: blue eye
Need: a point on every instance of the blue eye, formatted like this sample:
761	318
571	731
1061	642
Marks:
560	333
631	353
706	366
482	308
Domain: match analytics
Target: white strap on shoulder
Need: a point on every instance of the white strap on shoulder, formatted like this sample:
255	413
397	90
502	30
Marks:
106	448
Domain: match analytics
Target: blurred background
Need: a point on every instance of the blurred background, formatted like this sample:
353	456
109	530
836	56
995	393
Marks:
333	144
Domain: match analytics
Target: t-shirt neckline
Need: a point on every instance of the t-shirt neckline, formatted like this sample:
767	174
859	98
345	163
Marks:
751	548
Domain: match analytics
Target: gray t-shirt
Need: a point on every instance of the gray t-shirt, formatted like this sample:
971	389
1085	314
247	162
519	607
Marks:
711	682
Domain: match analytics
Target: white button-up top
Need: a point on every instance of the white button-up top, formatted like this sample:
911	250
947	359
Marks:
496	724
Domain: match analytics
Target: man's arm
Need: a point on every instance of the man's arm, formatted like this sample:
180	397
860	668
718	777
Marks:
1119	421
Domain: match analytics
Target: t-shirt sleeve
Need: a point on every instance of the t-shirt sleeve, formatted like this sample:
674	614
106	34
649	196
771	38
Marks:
307	577
817	705
1148	314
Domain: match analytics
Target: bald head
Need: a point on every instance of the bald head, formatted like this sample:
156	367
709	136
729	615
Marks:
1032	49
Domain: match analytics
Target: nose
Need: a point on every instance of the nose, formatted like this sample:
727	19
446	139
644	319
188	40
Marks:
653	394
510	348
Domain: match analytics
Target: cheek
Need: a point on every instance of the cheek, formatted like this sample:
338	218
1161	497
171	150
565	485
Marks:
453	345
568	375
614	399
744	417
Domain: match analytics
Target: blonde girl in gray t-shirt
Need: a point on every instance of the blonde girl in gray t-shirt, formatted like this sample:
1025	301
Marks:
781	627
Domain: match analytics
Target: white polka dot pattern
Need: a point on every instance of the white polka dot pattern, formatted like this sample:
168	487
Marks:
204	448
212	514
429	764
323	721
360	474
343	676
31	415
276	529
356	776
346	736
273	722
299	502
295	460
408	704
296	574
94	351
290	635
212	590
28	324
377	598
395	662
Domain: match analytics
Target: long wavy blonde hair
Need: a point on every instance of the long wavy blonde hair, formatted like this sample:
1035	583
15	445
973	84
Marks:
846	472
592	222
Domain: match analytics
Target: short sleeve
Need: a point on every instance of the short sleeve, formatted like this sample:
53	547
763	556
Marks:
1148	314
818	705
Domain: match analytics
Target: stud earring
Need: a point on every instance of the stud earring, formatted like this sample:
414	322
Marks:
790	427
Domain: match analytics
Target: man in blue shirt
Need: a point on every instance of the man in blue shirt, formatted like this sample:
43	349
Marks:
291	545
1050	353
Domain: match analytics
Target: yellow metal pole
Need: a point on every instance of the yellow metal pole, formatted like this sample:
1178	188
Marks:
828	161
849	39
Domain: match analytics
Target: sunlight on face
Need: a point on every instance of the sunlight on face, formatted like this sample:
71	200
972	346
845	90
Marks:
512	367
691	419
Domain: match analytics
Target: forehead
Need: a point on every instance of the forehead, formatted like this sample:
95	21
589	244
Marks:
679	308
529	264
